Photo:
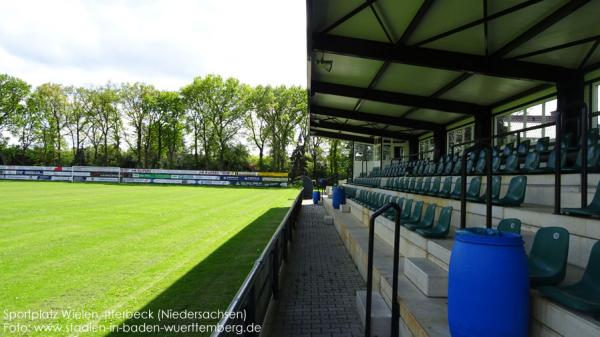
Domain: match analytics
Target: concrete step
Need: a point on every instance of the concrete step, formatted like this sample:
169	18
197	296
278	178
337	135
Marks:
584	232
430	278
381	314
420	315
548	319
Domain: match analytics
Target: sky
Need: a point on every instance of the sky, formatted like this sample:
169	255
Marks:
161	42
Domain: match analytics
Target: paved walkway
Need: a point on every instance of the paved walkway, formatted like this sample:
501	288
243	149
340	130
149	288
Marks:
318	295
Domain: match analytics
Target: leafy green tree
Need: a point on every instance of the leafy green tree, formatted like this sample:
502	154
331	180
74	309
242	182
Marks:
198	119
78	121
13	94
104	108
261	101
133	107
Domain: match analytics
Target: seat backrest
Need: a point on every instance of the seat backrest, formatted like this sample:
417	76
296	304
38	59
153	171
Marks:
469	165
416	213
449	166
496	186
444	220
551	163
591	275
542	144
474	187
512	225
532	162
517	188
523	147
595	204
429	216
435	185
551	249
447	186
419	185
512	163
507	149
426	184
457	186
495	164
480	167
411	185
457	167
407	208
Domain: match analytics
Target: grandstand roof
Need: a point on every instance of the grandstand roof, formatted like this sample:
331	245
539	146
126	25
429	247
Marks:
400	69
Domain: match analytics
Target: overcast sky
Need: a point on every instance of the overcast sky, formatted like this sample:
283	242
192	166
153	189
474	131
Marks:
164	42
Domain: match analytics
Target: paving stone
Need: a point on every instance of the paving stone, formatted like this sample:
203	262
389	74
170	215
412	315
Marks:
318	293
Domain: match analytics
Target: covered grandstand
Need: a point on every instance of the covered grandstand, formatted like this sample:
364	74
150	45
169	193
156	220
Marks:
442	99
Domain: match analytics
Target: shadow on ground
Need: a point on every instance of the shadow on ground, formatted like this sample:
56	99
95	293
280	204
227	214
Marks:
211	284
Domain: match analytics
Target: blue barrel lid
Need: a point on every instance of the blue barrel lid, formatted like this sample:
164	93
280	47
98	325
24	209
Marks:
488	236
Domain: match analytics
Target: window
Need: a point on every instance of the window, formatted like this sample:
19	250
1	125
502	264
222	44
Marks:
426	147
459	136
529	116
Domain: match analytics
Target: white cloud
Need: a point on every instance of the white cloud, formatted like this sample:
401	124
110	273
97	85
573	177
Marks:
165	43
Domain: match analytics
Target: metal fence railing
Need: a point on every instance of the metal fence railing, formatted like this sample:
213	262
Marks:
262	283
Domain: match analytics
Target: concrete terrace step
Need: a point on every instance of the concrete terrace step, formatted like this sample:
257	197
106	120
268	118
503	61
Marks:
420	315
548	318
381	314
584	231
430	278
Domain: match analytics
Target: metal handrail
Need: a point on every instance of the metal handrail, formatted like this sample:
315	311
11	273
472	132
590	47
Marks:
245	299
395	306
463	184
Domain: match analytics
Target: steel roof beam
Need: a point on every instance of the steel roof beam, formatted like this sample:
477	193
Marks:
342	136
397	98
360	129
441	59
369	117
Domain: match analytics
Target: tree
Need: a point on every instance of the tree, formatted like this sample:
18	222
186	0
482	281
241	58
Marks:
132	100
50	102
13	93
288	112
260	101
104	109
198	118
78	120
169	111
226	102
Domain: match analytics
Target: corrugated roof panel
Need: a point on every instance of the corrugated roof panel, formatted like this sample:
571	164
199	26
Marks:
414	79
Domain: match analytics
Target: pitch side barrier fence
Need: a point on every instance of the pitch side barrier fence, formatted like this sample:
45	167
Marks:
262	283
143	176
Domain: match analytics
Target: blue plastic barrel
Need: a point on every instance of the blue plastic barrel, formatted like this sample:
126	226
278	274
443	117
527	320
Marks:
488	285
316	197
339	197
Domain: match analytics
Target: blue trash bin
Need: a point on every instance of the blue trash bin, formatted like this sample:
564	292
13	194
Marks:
316	197
488	285
339	197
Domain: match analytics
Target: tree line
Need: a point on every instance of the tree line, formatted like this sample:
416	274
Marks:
207	124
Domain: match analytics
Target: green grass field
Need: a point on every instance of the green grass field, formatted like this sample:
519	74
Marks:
106	250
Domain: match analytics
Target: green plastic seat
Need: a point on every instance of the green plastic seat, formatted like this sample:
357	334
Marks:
426	185
496	184
496	164
474	188
593	157
548	256
532	162
444	192
391	212
457	189
416	213
418	185
585	294
457	167
512	164
406	209
511	225
515	195
435	186
441	228
592	210
523	148
542	144
426	221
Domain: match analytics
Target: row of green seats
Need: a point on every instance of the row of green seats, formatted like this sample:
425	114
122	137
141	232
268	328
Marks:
515	194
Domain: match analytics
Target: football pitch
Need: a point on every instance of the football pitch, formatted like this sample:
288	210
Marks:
82	259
